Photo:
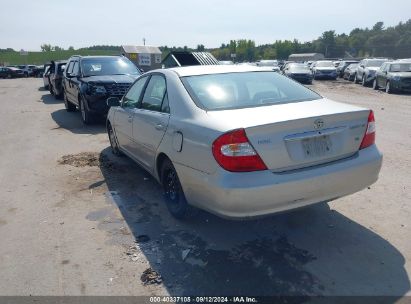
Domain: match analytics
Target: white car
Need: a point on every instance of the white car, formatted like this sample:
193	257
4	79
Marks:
241	141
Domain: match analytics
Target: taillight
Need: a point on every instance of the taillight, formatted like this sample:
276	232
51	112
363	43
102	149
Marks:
369	136
233	152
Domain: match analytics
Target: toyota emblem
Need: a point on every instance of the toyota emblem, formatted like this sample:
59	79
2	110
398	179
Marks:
319	124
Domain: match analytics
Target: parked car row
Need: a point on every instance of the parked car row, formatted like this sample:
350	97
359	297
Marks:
15	71
390	75
237	141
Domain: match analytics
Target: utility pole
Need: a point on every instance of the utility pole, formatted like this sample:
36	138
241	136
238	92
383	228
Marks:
144	41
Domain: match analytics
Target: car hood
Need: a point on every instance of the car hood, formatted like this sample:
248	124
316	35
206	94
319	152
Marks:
110	79
401	74
325	68
296	71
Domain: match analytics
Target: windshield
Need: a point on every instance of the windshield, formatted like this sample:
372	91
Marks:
374	63
400	67
324	64
299	67
108	66
244	90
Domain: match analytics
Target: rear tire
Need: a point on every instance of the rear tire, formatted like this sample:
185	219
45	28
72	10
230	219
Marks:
68	105
173	193
86	116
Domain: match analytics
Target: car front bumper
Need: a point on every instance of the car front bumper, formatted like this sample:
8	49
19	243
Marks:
251	194
401	85
97	104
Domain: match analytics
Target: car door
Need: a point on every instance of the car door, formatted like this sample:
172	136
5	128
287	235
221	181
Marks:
74	82
66	80
151	120
123	119
384	75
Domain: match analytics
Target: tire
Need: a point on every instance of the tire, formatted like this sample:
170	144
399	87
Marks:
113	141
388	88
173	193
86	116
67	104
374	84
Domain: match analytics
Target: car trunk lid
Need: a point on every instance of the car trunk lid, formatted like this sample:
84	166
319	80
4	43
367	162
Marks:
297	135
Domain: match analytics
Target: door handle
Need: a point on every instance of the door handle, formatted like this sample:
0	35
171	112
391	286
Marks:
159	127
130	119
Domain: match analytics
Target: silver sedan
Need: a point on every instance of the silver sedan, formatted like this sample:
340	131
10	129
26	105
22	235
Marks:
240	142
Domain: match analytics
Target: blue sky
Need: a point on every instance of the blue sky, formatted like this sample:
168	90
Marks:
26	24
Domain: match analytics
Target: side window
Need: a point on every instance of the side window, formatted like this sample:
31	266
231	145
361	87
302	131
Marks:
69	69
154	94
76	69
131	99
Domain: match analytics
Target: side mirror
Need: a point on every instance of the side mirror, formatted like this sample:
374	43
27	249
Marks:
113	101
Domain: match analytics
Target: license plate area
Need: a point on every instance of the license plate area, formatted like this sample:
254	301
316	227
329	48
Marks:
316	146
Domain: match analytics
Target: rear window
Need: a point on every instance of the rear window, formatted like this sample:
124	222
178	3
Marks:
244	90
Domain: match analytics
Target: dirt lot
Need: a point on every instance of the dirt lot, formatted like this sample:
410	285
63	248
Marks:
75	220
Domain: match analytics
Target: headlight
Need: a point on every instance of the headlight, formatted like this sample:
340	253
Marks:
97	90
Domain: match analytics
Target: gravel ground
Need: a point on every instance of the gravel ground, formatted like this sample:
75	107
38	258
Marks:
75	220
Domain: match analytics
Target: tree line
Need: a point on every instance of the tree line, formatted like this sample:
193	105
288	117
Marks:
377	41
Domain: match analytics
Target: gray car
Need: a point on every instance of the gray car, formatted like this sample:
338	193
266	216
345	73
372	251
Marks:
366	70
240	142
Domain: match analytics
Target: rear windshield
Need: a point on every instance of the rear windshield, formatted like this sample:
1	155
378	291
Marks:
244	90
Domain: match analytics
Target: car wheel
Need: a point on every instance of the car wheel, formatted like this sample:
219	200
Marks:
374	85
86	116
9	76
173	193
68	105
388	88
113	141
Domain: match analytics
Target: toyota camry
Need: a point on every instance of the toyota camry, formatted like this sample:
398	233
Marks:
241	142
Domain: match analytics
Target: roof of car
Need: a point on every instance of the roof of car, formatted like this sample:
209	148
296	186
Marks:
214	69
95	56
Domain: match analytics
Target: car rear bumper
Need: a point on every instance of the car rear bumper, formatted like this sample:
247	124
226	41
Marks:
242	195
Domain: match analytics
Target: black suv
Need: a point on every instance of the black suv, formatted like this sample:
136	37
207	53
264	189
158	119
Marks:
89	80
